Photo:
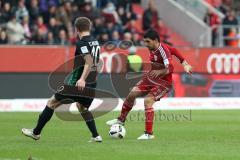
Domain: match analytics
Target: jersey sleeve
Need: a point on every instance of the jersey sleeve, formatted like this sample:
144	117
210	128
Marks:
176	53
82	48
167	60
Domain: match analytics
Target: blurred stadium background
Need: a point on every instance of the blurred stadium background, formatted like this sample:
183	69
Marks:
37	36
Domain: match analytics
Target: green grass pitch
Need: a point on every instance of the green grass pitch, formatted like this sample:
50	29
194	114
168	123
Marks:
206	135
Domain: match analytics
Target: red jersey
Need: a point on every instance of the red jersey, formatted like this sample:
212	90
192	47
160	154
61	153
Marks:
161	58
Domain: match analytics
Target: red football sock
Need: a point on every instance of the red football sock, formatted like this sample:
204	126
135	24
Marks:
126	108
149	117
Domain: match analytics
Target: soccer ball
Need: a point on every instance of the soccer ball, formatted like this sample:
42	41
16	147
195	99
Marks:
117	131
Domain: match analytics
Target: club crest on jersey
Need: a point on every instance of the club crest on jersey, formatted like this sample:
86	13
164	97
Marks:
84	49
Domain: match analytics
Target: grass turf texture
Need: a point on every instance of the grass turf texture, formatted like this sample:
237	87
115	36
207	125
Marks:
208	135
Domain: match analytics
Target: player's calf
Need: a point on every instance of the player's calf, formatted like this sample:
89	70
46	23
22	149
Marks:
149	114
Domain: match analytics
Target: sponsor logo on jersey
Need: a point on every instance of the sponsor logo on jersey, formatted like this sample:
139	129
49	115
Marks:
84	49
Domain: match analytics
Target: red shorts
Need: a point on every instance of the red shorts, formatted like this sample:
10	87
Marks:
157	89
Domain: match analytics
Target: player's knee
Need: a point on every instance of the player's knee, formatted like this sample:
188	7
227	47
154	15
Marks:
131	97
52	103
148	102
81	108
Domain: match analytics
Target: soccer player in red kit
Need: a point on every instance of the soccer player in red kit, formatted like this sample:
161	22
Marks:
154	84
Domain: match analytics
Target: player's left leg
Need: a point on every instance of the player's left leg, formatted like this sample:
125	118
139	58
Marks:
90	122
141	89
127	106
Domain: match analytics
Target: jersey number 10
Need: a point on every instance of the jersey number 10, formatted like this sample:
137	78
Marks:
95	54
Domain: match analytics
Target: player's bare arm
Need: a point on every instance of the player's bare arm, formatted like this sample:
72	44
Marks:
87	68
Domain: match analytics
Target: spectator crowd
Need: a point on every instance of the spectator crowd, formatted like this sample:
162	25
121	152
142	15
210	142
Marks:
228	26
51	21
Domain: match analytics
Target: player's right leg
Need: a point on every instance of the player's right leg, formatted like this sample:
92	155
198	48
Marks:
90	122
44	117
155	94
127	106
149	100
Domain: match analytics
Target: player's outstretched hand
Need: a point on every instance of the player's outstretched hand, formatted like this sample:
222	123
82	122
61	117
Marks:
187	68
81	84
